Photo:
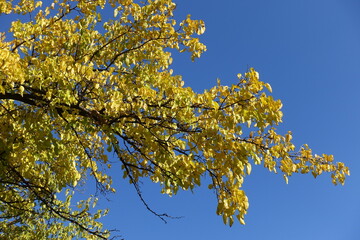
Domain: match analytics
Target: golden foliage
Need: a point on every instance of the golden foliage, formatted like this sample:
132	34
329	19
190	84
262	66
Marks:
73	85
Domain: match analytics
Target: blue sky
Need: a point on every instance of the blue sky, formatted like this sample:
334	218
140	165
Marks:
309	51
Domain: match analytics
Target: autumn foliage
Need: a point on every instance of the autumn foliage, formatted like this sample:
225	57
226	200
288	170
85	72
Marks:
76	85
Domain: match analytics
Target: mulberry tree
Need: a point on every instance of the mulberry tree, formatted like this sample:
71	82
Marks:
76	85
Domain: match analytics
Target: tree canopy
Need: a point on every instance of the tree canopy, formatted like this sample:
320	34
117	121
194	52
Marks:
77	88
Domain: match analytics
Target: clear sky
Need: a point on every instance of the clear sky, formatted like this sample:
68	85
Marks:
309	51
